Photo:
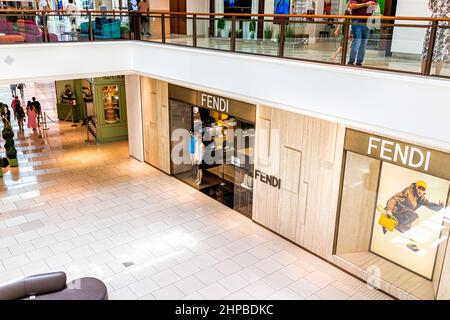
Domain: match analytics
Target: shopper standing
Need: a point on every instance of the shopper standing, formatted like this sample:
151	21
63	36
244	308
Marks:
43	5
439	9
13	88
71	10
144	9
361	31
31	114
21	87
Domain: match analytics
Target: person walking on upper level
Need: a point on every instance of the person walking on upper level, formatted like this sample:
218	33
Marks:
71	10
13	88
361	31
439	9
144	8
21	87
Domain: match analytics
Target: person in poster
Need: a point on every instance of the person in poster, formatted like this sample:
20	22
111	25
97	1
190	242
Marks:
403	205
281	7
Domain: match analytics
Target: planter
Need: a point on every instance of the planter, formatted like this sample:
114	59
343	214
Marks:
13	163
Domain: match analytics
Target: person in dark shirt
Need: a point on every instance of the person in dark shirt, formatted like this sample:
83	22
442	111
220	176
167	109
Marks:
37	106
361	31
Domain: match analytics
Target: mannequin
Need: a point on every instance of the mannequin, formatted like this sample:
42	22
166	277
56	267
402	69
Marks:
439	9
199	154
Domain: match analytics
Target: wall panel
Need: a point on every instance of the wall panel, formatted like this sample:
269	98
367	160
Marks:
302	153
155	116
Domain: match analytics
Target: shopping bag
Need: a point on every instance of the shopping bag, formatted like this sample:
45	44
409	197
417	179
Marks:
374	21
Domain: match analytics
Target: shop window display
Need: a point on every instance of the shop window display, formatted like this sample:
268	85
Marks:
111	104
220	152
394	209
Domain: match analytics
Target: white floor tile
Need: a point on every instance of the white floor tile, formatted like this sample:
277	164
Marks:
122	294
35	267
209	275
189	285
228	267
39	254
319	279
233	282
268	265
143	287
185	269
303	288
164	278
61	247
214	292
121	280
277	280
58	260
332	293
259	290
16	261
170	292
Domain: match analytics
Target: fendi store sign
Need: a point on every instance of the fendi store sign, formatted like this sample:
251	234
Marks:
436	163
240	110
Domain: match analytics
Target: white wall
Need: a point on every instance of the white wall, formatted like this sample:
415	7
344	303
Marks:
406	106
134	117
410	40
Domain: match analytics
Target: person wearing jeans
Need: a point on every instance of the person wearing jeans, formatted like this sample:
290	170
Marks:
360	31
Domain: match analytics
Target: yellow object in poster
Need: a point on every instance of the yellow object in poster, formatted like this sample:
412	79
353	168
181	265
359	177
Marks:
389	222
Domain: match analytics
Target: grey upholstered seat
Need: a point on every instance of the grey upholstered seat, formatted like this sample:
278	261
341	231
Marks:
53	286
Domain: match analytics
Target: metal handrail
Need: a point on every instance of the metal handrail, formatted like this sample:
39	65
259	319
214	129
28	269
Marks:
282	19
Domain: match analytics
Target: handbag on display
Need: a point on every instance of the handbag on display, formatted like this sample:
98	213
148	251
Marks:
386	220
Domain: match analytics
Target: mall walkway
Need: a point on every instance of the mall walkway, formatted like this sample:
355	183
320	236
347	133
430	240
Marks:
91	210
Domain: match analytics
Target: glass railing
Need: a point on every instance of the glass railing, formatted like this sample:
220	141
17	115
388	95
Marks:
404	44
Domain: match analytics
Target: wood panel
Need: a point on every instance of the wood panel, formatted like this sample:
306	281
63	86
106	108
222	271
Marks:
155	114
302	152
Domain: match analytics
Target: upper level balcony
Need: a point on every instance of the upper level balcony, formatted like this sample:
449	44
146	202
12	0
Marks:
414	45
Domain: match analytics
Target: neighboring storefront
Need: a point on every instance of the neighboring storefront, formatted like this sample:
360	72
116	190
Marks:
102	98
393	219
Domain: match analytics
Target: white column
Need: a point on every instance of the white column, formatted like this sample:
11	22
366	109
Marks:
134	115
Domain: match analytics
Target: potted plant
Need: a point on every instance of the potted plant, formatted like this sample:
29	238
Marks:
9	142
252	28
268	33
220	27
290	34
124	32
11	153
7	133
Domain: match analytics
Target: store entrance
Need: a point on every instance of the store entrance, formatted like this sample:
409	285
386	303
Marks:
220	146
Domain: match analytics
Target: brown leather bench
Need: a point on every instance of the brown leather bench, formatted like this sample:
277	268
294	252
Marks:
53	286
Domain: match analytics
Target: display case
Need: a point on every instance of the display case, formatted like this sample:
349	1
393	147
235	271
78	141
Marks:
111	104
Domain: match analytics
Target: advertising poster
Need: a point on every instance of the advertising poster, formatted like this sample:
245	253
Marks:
410	220
281	7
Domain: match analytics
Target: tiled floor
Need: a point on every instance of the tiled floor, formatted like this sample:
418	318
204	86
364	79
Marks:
91	210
